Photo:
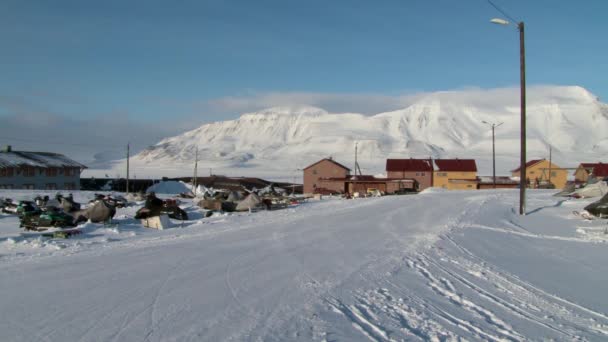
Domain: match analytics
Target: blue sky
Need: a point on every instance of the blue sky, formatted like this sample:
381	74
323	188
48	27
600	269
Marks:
191	62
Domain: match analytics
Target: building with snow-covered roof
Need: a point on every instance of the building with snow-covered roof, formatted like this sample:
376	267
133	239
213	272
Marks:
38	170
541	171
455	174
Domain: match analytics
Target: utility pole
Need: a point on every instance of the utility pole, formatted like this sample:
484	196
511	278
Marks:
549	163
128	146
493	151
195	179
355	170
522	73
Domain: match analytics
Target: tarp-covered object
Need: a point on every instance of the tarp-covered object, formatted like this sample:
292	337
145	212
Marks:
599	208
592	190
100	211
234	196
169	187
135	197
250	202
567	190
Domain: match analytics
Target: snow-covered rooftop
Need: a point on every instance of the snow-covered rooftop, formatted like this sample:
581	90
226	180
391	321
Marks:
36	159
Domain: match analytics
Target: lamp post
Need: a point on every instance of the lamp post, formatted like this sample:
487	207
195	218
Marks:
493	125
522	74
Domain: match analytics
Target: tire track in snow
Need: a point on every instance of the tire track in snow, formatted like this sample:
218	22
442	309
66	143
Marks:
511	308
444	288
360	321
533	302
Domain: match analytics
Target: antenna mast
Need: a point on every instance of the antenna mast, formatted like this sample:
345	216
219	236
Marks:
127	191
195	178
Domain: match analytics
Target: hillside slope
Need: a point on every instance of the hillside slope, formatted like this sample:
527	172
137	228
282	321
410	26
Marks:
277	141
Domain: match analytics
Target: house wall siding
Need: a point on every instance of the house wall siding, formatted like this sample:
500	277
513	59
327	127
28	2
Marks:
40	180
540	171
324	169
441	179
581	175
424	178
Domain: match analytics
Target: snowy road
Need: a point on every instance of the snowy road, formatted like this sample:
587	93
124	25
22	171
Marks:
433	266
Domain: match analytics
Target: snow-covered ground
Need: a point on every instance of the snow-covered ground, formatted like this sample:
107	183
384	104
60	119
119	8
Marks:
434	266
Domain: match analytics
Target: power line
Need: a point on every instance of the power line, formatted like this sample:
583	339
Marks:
502	12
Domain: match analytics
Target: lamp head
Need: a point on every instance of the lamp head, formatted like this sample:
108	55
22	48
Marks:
499	21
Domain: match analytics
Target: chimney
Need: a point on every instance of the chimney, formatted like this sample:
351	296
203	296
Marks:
8	148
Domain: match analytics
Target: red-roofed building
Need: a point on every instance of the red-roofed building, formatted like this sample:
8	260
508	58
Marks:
585	170
420	170
541	171
324	168
455	174
363	183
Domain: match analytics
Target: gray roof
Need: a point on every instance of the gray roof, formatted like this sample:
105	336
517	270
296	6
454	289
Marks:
36	159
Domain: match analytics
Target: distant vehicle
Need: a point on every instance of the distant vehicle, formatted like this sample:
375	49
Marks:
374	192
404	191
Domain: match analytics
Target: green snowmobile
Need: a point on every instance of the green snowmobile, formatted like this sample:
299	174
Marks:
46	219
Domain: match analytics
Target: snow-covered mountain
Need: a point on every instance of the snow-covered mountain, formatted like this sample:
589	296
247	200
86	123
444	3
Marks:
278	141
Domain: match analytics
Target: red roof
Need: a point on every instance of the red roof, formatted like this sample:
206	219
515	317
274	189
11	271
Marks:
529	164
409	165
330	160
597	169
462	165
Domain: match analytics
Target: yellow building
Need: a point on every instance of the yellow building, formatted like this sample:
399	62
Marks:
541	171
586	170
455	174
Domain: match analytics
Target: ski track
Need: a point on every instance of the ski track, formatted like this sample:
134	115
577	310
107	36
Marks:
468	297
493	296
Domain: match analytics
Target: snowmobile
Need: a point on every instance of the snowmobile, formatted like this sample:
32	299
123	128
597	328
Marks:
23	207
40	220
599	208
155	206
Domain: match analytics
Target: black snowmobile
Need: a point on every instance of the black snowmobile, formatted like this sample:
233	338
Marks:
599	208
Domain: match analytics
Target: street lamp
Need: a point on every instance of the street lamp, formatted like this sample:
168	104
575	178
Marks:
493	125
522	73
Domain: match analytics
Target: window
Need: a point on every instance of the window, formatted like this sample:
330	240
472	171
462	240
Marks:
422	173
28	186
28	171
314	172
51	186
469	186
69	186
417	173
553	174
51	172
6	186
442	174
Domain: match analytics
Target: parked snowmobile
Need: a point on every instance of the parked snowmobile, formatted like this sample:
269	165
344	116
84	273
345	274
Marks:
40	220
155	206
599	208
9	207
21	208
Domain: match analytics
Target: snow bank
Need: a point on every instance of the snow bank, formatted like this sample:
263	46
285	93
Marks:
169	187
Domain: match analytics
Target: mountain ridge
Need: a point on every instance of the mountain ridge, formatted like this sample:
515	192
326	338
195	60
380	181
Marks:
569	119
